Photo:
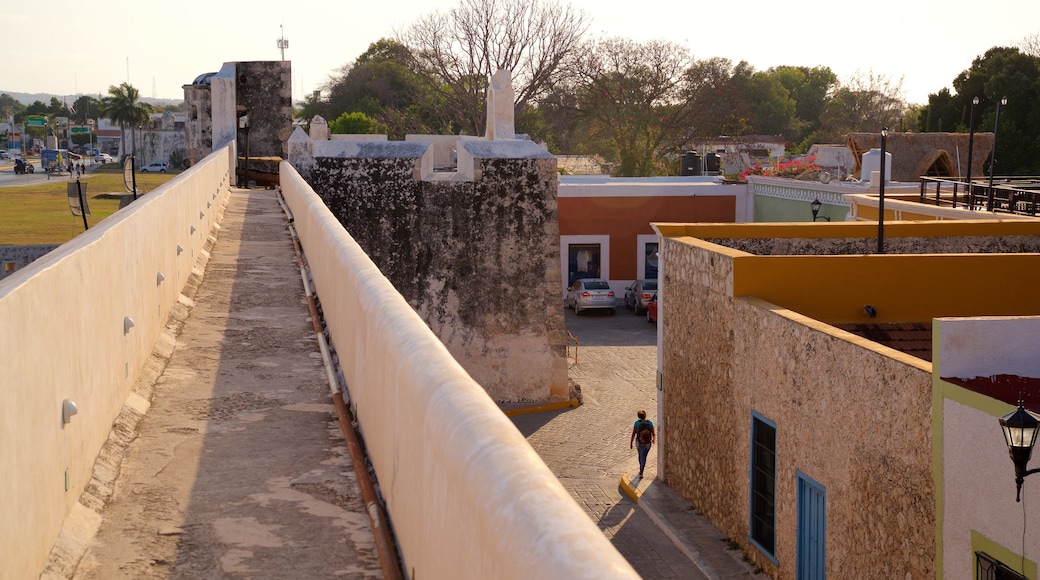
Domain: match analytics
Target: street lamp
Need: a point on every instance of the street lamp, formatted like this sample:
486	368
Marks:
1020	428
993	155
815	208
881	197
971	147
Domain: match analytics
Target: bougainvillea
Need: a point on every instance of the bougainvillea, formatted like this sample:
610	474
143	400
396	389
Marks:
794	169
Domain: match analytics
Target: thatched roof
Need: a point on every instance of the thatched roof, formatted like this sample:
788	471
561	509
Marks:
917	154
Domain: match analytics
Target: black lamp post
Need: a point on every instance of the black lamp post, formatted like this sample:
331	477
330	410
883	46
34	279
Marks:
971	148
1020	428
993	155
881	197
815	208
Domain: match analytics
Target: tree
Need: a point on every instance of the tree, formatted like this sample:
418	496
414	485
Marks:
718	105
635	101
456	52
382	85
1006	72
121	106
9	107
355	124
868	102
85	107
810	88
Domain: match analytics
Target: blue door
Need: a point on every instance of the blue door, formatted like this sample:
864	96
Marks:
812	519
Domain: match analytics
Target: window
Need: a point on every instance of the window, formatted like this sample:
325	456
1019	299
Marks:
763	484
989	568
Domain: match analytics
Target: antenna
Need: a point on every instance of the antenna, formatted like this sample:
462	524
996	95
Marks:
154	93
283	42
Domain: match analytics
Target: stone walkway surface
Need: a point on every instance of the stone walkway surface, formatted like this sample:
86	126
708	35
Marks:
239	469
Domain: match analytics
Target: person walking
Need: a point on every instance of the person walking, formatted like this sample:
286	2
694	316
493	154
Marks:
644	435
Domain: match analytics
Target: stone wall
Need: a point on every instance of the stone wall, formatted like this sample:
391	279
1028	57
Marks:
478	260
893	245
850	414
14	258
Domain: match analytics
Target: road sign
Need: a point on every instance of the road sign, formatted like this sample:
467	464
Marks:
80	129
36	121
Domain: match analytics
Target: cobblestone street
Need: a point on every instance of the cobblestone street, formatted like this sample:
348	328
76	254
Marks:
587	446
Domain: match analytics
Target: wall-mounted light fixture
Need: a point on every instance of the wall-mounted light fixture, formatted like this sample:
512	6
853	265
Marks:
1020	428
128	323
68	409
870	311
180	249
159	278
815	208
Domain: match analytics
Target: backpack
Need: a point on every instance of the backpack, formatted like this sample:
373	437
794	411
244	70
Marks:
645	435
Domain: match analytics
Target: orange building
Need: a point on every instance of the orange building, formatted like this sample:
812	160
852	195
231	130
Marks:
605	222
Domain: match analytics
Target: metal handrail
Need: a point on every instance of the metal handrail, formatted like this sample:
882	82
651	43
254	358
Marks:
1019	195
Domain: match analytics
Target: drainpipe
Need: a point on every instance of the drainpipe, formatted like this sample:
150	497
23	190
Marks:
385	547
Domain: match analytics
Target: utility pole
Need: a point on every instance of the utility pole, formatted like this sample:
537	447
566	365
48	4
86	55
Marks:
283	42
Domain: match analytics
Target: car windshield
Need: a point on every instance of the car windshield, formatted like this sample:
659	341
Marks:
596	285
650	285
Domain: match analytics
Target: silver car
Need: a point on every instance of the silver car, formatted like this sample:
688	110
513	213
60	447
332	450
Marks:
638	295
591	293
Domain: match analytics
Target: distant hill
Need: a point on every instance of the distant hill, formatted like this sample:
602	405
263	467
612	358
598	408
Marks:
30	98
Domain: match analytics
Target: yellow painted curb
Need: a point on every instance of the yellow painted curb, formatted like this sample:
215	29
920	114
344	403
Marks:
541	408
626	485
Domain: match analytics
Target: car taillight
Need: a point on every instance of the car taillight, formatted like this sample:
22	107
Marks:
610	294
586	294
646	296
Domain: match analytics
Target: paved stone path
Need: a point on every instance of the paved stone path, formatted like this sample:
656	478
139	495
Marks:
587	447
239	469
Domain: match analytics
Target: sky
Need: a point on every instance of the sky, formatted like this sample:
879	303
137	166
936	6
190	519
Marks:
159	48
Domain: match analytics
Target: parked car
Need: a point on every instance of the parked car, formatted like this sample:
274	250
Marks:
103	157
638	295
591	293
651	309
3	154
155	167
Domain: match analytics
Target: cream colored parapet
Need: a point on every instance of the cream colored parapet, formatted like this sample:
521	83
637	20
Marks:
79	325
467	495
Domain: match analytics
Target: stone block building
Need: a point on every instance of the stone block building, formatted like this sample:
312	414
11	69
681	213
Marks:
797	384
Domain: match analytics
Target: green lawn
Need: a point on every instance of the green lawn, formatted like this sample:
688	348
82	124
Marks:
39	214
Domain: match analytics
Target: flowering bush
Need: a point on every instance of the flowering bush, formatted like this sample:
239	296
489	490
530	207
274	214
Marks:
794	169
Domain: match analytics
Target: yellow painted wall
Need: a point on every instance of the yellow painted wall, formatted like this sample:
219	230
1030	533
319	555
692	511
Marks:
902	288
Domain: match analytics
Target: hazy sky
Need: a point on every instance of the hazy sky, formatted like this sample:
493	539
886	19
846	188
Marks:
159	47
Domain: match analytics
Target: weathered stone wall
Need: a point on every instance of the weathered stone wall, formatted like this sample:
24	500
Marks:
893	245
159	146
263	90
852	416
478	260
21	256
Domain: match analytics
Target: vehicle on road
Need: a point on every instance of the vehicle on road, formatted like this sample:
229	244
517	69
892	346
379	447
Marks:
3	154
103	157
155	167
651	309
638	295
21	167
53	159
590	294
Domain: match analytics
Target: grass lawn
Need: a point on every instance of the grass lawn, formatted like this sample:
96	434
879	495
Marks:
39	213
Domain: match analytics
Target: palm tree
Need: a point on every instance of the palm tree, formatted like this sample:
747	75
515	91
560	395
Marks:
121	107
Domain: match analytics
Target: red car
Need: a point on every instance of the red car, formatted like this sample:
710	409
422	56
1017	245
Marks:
651	309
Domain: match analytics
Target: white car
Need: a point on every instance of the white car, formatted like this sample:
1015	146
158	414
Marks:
155	167
591	293
103	157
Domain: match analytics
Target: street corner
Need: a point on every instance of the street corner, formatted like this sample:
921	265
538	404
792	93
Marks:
633	484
